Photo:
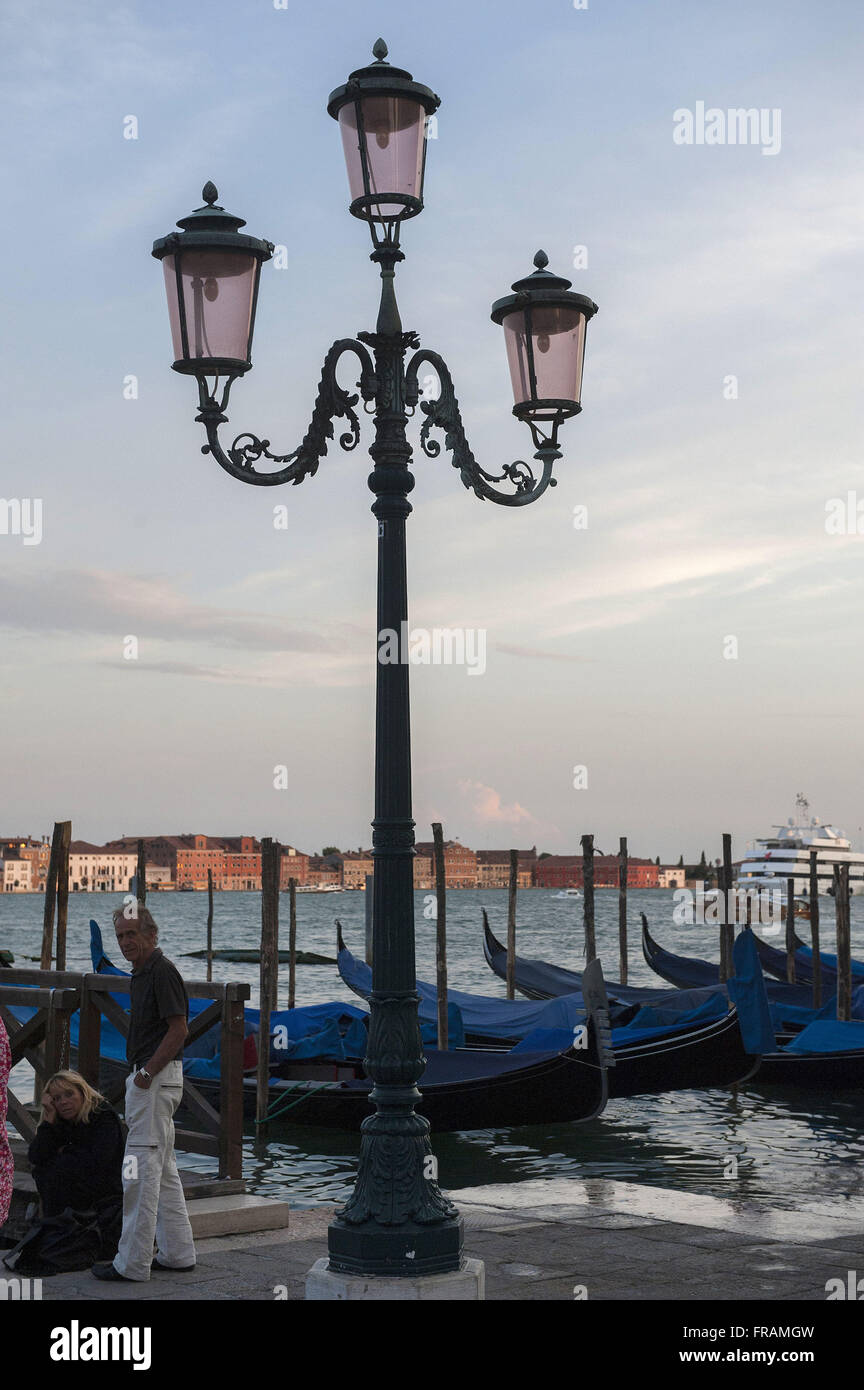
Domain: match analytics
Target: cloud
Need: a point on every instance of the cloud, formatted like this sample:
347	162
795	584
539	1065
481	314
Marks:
100	602
489	807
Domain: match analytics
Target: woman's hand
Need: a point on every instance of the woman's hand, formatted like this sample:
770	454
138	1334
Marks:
49	1111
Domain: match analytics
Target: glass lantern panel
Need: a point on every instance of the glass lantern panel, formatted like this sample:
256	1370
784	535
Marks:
558	335
395	129
218	288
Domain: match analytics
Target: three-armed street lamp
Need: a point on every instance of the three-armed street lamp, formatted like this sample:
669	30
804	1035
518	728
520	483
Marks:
397	1222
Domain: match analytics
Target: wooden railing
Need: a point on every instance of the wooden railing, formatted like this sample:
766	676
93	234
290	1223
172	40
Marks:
43	1041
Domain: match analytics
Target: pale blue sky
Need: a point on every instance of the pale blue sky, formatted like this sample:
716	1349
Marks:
604	646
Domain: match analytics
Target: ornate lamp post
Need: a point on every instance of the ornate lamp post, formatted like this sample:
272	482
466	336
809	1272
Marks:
397	1222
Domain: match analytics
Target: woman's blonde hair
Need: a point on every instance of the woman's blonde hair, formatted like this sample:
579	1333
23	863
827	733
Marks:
90	1097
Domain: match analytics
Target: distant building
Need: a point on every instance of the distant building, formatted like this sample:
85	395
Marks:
325	870
356	864
96	869
294	865
670	876
565	871
460	863
493	868
15	875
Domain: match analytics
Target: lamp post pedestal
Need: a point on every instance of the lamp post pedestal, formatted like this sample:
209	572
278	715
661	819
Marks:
462	1285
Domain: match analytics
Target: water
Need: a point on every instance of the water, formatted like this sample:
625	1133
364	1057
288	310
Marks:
781	1148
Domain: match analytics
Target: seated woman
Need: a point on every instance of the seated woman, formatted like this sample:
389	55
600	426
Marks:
77	1155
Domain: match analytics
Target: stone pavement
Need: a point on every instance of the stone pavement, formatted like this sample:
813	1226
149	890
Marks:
553	1239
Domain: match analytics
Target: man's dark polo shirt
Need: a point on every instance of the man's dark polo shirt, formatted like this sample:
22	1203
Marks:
157	993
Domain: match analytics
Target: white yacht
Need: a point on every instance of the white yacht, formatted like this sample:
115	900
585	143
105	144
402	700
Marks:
769	863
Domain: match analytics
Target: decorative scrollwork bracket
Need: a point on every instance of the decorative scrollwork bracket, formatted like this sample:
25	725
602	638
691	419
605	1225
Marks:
443	413
332	402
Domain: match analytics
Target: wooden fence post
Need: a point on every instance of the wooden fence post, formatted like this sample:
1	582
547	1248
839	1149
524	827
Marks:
231	1083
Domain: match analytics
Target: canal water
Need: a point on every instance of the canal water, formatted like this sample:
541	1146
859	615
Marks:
780	1147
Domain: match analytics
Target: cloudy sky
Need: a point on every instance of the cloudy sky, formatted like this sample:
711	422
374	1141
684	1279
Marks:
722	414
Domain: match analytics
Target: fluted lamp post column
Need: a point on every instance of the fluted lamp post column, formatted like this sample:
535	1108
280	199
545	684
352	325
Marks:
397	1225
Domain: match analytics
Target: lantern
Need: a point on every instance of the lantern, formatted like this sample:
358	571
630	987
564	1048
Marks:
211	280
382	114
544	332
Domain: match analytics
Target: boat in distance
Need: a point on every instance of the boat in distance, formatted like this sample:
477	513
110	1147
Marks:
786	855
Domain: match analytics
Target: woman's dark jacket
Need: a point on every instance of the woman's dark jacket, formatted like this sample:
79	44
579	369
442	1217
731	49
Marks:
83	1155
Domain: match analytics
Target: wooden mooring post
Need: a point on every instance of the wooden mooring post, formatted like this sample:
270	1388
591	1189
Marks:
61	835
814	930
209	924
63	898
511	924
370	894
141	874
844	942
269	976
292	941
727	913
440	935
790	931
622	909
587	842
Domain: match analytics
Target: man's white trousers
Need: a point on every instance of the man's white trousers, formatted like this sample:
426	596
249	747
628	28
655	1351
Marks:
153	1203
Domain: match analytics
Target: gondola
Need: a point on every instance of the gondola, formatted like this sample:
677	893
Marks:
689	972
678	1052
462	1089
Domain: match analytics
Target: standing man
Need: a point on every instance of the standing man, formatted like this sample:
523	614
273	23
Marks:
153	1201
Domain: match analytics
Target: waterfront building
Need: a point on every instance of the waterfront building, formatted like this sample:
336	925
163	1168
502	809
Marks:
356	864
294	865
95	869
670	876
460	863
15	874
493	868
565	871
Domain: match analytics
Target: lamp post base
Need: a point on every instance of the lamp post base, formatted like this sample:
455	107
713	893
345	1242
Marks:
466	1284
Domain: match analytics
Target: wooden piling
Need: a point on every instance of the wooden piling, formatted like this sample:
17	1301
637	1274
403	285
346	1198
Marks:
209	924
269	970
141	874
587	842
51	897
844	943
511	925
440	935
790	930
727	916
814	930
622	909
370	894
63	895
292	941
